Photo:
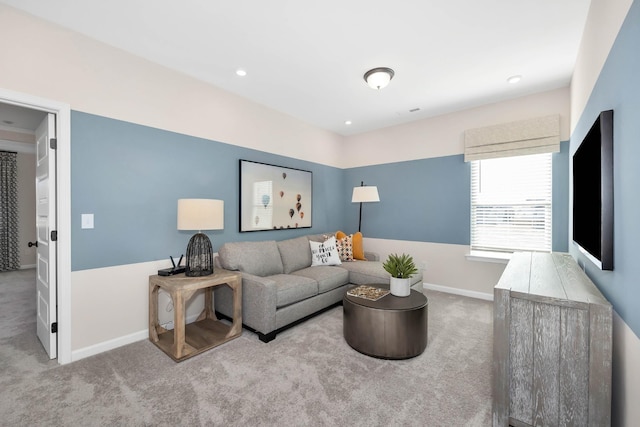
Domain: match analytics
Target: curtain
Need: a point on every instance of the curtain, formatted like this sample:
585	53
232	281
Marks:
9	242
524	137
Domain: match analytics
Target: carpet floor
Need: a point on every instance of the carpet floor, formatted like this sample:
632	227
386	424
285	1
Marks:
307	376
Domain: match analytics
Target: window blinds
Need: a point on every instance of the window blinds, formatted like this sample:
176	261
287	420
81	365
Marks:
532	136
511	204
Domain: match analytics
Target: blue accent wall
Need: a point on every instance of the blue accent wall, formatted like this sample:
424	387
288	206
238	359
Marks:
429	200
131	176
425	200
618	88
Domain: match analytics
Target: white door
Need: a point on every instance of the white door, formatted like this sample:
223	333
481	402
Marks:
46	224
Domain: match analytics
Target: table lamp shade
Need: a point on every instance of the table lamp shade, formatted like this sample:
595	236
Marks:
200	214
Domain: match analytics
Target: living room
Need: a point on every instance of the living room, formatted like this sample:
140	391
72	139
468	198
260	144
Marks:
135	126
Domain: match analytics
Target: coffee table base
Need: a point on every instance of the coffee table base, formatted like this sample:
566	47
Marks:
385	333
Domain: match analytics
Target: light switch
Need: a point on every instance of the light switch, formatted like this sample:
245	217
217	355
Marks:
87	220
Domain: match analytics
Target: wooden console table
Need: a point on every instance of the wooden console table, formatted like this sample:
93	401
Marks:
187	340
552	345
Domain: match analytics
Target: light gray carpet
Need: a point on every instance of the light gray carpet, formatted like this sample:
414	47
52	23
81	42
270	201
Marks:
307	376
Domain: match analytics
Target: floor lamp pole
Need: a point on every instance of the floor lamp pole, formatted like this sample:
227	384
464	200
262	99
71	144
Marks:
360	219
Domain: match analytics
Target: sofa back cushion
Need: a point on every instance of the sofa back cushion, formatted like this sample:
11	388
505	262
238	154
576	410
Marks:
295	254
257	258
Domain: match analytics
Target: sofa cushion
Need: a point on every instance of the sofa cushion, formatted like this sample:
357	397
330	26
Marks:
292	289
295	254
366	272
327	277
257	258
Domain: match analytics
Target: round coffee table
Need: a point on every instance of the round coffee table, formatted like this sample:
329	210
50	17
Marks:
389	328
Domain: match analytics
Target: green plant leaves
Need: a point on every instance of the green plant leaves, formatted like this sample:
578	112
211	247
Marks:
400	266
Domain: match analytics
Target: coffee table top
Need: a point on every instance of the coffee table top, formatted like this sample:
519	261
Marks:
391	302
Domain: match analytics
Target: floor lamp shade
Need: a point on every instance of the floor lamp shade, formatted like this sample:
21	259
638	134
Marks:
200	214
364	194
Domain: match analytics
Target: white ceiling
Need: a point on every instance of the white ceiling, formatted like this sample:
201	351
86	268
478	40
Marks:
307	59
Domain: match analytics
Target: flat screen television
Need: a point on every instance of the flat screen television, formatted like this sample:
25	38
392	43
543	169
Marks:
593	193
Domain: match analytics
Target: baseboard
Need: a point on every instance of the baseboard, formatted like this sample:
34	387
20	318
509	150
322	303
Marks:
27	267
92	350
457	291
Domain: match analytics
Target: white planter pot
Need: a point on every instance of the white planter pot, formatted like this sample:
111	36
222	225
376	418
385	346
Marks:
400	287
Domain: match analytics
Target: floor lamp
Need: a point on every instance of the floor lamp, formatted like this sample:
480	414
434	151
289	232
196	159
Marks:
364	194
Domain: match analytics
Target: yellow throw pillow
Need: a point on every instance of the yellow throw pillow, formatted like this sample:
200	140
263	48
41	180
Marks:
358	248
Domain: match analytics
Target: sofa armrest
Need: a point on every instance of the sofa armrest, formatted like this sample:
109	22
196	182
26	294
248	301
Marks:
371	256
259	299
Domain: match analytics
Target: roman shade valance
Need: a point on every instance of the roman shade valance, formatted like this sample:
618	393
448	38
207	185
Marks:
532	136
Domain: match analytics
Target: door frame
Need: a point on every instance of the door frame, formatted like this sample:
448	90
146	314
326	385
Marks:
63	208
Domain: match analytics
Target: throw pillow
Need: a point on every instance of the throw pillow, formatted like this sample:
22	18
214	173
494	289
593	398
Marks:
345	248
325	253
358	248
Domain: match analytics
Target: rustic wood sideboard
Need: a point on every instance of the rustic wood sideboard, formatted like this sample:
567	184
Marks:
552	341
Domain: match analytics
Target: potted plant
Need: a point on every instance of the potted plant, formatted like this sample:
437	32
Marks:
401	268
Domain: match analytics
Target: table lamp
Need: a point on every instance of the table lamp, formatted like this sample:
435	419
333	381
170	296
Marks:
200	214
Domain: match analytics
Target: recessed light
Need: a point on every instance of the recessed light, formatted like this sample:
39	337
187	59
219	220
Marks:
514	79
241	72
348	122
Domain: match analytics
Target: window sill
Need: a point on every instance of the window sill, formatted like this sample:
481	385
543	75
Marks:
486	256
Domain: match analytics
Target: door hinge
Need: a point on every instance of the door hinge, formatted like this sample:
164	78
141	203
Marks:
53	143
54	236
54	327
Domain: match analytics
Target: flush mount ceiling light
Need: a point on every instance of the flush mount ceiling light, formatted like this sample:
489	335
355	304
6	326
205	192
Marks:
240	72
378	78
514	79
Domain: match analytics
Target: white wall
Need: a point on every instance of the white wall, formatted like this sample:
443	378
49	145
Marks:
603	24
96	78
444	135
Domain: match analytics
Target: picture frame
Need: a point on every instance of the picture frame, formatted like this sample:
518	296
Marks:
274	197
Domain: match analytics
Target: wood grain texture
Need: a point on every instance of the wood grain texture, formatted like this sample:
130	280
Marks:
501	359
558	355
544	280
521	355
546	355
574	367
600	348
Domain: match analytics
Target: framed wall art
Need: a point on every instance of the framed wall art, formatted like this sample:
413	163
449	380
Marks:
274	197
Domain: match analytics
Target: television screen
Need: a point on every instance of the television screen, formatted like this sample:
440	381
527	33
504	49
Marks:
593	193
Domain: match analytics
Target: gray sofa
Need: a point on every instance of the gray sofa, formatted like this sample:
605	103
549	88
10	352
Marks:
281	288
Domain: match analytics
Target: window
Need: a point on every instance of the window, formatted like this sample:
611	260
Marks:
511	204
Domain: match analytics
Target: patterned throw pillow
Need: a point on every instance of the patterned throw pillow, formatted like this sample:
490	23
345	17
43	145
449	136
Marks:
358	250
345	248
325	253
